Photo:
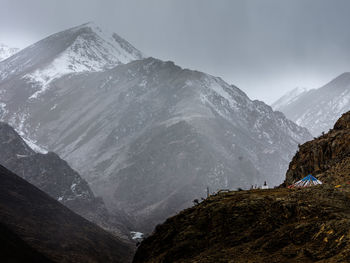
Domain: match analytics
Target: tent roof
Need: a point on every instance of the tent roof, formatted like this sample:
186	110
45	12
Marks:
306	182
309	178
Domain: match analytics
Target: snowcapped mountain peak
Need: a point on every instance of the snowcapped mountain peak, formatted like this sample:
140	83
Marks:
6	51
318	109
85	48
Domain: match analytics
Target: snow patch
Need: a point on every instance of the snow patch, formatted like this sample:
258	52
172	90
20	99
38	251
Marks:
3	110
34	146
19	156
6	51
73	187
53	107
136	235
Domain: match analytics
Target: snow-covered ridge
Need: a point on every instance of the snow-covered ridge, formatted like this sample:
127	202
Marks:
92	50
6	51
318	109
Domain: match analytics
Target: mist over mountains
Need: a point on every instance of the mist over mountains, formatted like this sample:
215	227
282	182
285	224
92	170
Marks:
317	109
147	135
152	135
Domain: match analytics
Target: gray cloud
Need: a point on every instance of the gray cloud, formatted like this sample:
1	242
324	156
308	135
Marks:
265	47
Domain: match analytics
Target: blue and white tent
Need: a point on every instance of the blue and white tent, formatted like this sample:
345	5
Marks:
306	182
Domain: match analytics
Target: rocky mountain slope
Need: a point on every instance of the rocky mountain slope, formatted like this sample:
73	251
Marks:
55	177
274	225
148	136
51	229
326	157
318	109
6	51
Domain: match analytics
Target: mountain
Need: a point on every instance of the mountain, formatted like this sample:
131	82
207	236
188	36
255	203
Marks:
31	222
149	136
6	51
55	177
318	109
84	48
326	157
275	225
289	98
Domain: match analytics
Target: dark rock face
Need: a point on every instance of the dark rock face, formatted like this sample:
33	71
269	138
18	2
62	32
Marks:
277	225
326	157
50	228
55	177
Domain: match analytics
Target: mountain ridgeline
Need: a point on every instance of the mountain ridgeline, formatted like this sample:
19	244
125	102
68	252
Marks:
147	135
317	109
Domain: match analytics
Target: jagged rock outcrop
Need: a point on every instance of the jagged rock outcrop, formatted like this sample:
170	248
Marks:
51	229
326	157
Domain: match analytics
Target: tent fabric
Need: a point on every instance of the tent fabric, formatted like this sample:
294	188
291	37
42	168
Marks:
306	182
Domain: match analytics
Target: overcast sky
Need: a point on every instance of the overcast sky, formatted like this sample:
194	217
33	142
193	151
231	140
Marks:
265	47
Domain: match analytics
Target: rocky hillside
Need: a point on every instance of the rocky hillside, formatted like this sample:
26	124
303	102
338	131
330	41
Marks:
277	225
55	177
44	228
317	109
274	225
326	157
